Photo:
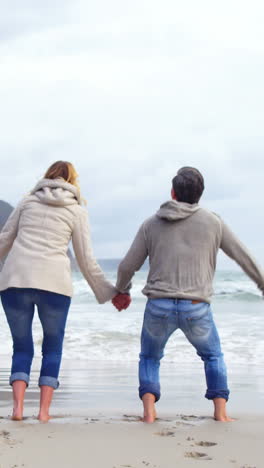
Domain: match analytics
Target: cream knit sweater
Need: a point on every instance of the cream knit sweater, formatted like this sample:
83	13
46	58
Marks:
36	238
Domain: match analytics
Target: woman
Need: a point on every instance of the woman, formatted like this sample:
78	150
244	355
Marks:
37	272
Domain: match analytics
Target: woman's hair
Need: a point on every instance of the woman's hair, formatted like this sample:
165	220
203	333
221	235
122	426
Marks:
63	170
66	171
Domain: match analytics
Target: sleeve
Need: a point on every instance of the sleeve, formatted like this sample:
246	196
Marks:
232	246
9	231
132	262
81	241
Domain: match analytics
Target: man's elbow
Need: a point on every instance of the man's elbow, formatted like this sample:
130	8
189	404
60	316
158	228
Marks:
124	268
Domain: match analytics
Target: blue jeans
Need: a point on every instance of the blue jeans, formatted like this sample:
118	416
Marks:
19	305
164	316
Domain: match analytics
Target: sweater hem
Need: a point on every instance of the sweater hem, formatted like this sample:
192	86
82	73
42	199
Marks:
63	292
191	297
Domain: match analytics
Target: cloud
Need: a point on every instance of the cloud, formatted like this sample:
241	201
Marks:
129	92
22	19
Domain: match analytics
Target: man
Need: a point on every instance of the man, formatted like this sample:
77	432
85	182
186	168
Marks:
182	240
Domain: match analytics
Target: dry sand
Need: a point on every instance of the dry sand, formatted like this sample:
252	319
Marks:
125	442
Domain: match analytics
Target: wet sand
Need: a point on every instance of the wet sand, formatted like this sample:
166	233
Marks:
96	421
111	388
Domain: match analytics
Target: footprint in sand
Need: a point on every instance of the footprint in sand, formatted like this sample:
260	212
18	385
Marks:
248	466
148	464
205	443
183	423
165	433
121	466
197	455
131	418
191	417
5	434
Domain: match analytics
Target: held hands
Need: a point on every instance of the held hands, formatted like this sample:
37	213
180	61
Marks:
121	301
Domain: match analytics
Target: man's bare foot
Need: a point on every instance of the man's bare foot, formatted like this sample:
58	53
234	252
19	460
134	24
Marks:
220	410
150	416
223	418
149	408
17	413
43	417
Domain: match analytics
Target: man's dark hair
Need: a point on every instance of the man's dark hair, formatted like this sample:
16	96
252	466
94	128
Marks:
188	185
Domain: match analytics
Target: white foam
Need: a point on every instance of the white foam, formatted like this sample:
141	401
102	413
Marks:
97	332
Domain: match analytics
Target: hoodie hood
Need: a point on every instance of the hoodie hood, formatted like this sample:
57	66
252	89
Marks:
56	192
173	210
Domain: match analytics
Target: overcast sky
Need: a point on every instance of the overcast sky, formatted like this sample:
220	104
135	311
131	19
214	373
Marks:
129	92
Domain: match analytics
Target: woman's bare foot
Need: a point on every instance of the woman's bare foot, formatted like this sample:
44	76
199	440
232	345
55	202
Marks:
220	410
149	408
43	417
17	413
223	418
46	393
19	388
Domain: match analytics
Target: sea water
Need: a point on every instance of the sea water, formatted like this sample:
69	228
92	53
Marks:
101	333
101	348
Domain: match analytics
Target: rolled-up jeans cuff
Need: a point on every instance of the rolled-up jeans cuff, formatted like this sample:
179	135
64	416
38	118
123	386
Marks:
211	394
153	389
19	376
49	381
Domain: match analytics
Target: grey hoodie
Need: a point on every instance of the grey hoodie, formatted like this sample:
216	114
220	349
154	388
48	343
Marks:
182	241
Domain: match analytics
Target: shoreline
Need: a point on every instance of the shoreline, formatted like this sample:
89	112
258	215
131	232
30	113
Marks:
111	388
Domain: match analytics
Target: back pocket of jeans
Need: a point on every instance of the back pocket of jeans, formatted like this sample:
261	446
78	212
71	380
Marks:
156	321
200	321
198	315
158	312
